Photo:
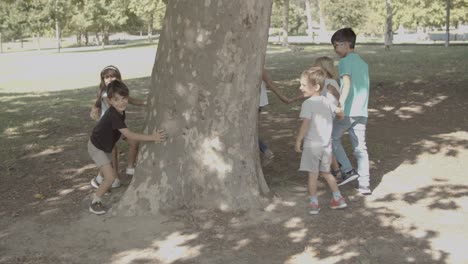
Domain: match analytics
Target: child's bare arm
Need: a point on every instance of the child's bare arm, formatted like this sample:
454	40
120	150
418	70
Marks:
339	113
95	113
272	87
134	101
158	136
333	91
345	89
301	134
299	97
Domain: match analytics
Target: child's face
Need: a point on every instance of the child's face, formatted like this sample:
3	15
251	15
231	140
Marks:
119	102
108	79
308	89
341	48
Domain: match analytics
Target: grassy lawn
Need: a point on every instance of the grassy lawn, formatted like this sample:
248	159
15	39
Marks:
47	120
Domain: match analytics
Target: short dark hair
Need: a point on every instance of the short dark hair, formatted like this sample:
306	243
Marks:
344	35
117	87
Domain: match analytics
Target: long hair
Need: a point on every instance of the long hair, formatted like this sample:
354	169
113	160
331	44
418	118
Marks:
111	71
327	64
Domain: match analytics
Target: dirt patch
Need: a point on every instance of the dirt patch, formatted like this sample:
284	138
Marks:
417	214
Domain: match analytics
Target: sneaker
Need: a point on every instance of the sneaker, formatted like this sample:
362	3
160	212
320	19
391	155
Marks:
95	183
267	157
338	204
130	171
314	208
348	176
97	208
116	183
364	190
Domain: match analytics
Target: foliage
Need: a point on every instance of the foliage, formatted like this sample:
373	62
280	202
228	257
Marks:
20	18
429	13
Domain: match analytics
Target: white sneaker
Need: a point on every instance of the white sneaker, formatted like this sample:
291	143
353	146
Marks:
116	183
364	190
95	183
130	171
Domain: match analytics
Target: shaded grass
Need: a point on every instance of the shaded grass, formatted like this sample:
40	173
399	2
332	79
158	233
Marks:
401	65
49	122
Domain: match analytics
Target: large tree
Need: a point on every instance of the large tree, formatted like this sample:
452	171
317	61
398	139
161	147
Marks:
205	95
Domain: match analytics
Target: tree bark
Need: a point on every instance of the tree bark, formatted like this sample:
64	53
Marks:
309	20
285	22
389	25
205	96
447	23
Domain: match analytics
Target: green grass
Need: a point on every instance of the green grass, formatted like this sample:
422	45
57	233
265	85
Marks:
401	65
40	122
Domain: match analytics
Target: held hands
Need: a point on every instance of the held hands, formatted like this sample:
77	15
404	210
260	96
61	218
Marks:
95	113
298	147
159	135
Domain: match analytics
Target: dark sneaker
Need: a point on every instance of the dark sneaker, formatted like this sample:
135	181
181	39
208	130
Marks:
267	157
348	177
338	204
314	208
364	190
97	208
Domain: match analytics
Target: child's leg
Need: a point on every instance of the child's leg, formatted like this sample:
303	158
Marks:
263	147
335	167
339	128
338	201
357	134
331	181
312	184
115	161
109	175
132	154
314	207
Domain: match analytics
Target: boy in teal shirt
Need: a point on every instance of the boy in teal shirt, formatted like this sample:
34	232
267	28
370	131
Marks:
354	98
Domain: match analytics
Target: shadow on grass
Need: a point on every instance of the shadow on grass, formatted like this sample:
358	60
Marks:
43	137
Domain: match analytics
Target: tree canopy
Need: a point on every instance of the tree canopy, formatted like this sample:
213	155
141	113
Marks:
27	18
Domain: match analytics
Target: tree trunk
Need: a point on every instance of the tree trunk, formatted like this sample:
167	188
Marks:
285	22
447	23
57	34
323	28
205	96
86	35
309	20
79	37
389	25
150	29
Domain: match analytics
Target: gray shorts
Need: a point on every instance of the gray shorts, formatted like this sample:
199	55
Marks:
99	157
316	159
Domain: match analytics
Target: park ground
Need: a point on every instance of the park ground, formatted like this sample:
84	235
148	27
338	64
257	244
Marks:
417	140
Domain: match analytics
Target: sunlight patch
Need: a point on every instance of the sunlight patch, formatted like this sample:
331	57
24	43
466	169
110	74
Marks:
166	251
210	157
242	243
298	236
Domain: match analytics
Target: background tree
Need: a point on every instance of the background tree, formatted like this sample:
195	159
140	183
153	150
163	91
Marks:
205	95
285	22
388	24
149	11
308	12
339	14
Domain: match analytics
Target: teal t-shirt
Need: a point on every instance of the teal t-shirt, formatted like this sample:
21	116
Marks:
358	97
